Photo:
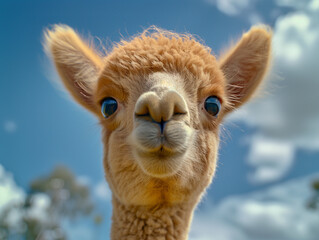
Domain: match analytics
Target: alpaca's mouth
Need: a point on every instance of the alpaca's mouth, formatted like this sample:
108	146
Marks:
161	153
149	140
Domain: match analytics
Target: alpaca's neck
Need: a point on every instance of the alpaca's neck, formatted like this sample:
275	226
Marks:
158	223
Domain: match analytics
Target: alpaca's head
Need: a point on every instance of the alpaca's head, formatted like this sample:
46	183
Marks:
160	99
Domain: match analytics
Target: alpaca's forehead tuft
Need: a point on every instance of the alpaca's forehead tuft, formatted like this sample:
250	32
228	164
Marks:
160	51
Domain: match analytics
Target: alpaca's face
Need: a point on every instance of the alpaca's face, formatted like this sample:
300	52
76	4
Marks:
162	131
163	96
161	141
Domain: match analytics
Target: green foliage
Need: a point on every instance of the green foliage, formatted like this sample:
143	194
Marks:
69	197
98	219
313	202
315	185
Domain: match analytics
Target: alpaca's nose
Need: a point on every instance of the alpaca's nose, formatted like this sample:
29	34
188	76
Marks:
160	109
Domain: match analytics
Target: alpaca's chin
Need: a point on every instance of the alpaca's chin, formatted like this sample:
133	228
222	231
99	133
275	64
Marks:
161	163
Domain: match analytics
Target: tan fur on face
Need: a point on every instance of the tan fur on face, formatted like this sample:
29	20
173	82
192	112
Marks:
157	77
181	170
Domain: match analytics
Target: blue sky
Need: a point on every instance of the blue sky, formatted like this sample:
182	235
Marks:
271	142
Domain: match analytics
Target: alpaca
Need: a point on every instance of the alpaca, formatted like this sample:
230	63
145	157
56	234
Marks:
160	98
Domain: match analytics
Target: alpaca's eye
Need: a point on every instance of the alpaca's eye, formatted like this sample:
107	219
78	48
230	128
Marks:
212	105
109	106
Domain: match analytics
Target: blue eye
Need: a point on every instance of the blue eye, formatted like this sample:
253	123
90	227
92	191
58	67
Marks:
212	105
109	106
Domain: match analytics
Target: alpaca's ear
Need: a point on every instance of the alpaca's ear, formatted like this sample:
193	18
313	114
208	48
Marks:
245	65
76	62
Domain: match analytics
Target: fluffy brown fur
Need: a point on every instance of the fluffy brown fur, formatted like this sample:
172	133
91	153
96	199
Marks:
157	178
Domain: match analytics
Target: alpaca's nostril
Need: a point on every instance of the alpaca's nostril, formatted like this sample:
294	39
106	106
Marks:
172	104
148	106
143	114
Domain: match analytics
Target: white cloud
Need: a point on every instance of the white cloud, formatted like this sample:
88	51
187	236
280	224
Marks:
40	204
84	180
10	126
244	8
10	196
255	18
10	193
297	4
231	7
293	34
271	159
313	5
278	213
102	191
287	118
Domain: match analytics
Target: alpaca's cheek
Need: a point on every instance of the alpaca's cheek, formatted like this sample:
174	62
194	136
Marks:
204	165
127	181
210	143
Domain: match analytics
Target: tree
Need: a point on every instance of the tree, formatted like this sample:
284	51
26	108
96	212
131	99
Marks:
69	197
313	202
50	199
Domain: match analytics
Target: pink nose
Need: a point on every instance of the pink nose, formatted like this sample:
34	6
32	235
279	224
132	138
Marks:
160	108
